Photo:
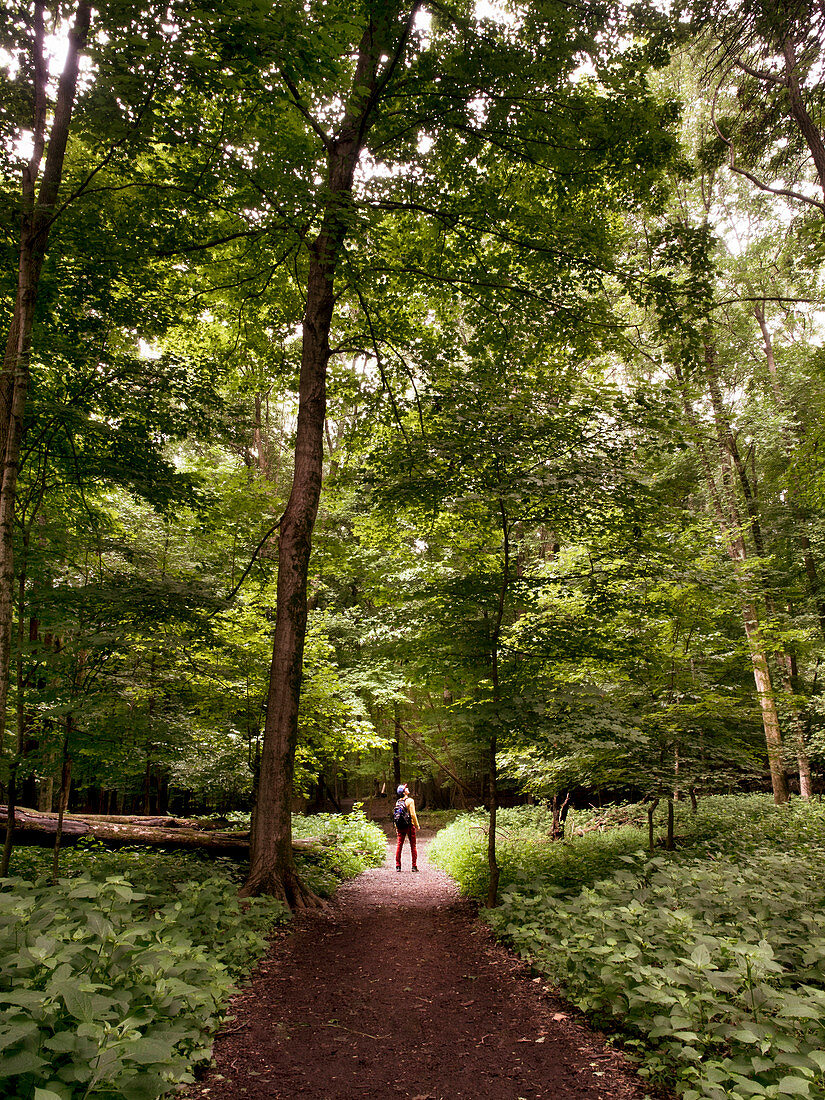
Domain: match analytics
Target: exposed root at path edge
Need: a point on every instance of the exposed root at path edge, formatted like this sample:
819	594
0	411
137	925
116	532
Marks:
289	889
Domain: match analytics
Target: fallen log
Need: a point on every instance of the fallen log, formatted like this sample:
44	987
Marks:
160	821
35	828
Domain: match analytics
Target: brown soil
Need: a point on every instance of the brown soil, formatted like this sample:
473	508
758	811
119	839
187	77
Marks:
399	991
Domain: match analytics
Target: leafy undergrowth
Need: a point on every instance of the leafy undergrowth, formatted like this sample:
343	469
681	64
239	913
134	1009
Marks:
525	851
350	843
113	981
709	962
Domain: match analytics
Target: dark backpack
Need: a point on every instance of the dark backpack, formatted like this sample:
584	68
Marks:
401	815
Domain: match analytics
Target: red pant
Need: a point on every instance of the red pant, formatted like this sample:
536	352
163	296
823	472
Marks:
402	833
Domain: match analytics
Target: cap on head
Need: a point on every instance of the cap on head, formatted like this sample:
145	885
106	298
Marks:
401	789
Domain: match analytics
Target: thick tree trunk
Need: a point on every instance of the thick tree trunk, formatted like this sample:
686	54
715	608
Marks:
799	112
271	867
767	704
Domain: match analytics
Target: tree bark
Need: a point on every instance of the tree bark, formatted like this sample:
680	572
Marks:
650	812
785	660
35	828
731	528
799	112
271	866
38	212
767	703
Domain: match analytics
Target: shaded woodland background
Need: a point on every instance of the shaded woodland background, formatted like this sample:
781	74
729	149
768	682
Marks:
572	502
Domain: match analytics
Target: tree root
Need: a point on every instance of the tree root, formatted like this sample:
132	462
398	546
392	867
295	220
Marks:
288	888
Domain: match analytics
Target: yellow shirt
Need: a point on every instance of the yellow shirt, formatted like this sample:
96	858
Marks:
410	804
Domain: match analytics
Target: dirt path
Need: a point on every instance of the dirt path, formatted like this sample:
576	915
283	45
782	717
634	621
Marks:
398	991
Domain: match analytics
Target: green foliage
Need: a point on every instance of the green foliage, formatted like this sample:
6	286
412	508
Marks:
350	844
438	819
525	849
113	981
111	991
708	961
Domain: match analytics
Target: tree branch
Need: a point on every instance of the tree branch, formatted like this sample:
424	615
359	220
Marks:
252	561
298	102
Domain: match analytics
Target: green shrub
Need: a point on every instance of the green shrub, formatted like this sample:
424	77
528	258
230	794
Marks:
113	981
350	844
709	961
107	991
525	850
437	819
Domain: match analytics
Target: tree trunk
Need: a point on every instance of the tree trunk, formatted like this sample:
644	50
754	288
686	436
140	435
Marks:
45	794
492	861
38	212
271	867
560	815
271	870
731	527
650	811
8	843
677	794
14	771
767	703
799	112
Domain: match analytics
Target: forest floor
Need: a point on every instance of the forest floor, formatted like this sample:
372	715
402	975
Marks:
398	990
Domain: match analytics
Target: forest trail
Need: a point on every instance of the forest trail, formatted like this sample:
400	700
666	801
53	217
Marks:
397	990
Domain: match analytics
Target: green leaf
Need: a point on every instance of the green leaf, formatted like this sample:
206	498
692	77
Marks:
146	1086
700	955
78	1004
23	1062
794	1086
147	1050
13	1033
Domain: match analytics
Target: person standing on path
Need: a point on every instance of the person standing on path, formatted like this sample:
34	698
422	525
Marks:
406	824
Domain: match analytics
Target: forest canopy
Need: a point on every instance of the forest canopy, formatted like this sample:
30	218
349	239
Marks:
432	384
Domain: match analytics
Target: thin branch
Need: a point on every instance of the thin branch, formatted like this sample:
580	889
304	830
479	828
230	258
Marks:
297	100
380	363
111	152
252	560
244	234
734	167
765	298
758	75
